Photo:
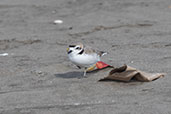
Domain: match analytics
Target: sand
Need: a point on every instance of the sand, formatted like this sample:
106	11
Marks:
36	76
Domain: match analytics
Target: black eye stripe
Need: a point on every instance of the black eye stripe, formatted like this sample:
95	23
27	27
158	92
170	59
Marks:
69	51
78	48
81	52
72	45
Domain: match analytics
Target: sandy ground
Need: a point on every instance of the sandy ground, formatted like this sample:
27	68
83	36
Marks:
37	77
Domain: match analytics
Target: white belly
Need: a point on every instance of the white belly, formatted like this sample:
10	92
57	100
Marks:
84	60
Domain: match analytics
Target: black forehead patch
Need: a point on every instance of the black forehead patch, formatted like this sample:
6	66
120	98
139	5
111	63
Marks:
72	45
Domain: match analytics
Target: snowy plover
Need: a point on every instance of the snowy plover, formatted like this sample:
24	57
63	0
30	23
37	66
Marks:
84	57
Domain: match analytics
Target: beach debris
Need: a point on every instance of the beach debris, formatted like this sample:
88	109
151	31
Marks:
57	21
127	73
4	54
77	104
39	73
98	66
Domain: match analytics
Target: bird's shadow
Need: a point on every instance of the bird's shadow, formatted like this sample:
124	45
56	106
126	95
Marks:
77	74
74	74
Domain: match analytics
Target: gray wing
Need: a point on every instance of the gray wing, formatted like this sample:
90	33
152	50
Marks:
90	50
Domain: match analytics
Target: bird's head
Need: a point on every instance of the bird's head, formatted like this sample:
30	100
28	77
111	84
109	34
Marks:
75	49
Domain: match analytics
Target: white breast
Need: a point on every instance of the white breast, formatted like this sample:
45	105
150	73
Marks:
84	60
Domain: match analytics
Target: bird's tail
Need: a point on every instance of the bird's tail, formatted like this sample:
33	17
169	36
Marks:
102	53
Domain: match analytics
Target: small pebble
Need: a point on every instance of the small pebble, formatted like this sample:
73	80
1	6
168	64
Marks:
39	72
4	54
76	104
58	22
53	12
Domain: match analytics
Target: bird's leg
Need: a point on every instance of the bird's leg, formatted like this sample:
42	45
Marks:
91	68
78	66
85	71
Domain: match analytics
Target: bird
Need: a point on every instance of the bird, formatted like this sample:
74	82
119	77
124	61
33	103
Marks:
84	56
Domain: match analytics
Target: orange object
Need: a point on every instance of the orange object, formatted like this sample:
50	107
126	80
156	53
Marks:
101	65
98	66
